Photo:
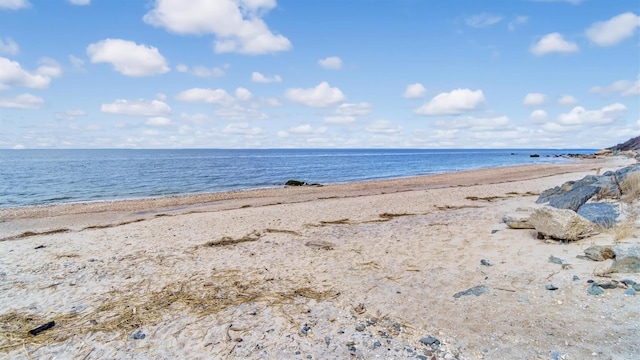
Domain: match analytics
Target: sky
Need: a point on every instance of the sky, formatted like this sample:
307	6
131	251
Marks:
319	73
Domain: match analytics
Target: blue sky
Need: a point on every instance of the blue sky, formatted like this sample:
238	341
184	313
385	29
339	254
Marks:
319	73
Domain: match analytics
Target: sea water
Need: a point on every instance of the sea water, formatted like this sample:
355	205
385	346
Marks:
42	177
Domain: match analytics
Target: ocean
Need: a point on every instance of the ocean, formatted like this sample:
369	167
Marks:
45	177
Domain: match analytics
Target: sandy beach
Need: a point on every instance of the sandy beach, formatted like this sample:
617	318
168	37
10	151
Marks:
362	270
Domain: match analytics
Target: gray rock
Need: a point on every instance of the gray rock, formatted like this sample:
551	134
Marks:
138	335
599	253
476	290
361	327
608	285
627	259
485	262
551	287
575	278
555	260
305	330
630	291
594	289
628	282
430	341
517	220
573	198
561	224
603	214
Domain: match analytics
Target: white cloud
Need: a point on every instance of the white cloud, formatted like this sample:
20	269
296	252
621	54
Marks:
357	109
237	24
553	43
272	102
12	74
161	97
202	71
383	127
414	91
76	62
340	119
80	2
243	94
24	101
307	130
473	123
534	99
209	96
567	100
538	116
614	30
14	4
128	58
580	116
259	78
241	129
519	20
322	95
625	88
8	46
136	108
331	63
239	113
70	114
158	121
456	102
483	20
199	119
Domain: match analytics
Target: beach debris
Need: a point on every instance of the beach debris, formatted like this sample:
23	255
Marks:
561	224
42	328
517	220
320	245
485	262
551	287
226	240
626	258
594	289
476	290
138	335
39	247
555	260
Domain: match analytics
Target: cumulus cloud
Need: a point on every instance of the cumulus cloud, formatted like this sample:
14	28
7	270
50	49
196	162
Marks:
239	113
241	129
128	58
12	74
208	96
137	108
307	129
580	116
567	100
625	88
259	78
340	119
383	127
358	109
8	46
414	91
14	4
456	102
553	43
534	99
243	94
473	123
331	63
236	24
24	101
614	30
202	71
538	116
158	121
322	95
80	2
483	20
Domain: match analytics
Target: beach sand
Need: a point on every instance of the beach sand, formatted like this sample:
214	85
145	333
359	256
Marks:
362	270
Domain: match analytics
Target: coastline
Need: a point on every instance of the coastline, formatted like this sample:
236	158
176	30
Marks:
365	269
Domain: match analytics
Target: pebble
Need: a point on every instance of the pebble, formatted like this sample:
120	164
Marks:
361	327
555	260
430	340
476	290
608	285
551	287
628	282
594	289
575	278
327	340
485	262
138	335
630	291
305	330
494	231
377	344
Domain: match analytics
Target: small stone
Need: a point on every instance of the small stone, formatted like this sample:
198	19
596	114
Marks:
575	278
309	357
485	262
630	291
608	285
305	330
430	341
628	282
138	335
422	357
555	260
361	327
594	289
551	287
340	332
327	340
376	344
476	290
494	231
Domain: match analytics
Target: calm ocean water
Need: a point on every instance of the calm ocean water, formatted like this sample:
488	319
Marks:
41	177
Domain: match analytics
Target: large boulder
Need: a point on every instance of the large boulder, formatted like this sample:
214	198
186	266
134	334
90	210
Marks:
627	258
573	198
517	220
603	214
561	224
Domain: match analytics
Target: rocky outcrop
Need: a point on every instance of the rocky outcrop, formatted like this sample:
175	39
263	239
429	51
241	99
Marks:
631	144
561	224
574	198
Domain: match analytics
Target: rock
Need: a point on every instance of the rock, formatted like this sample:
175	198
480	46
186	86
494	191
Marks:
608	285
534	155
476	290
551	287
573	198
430	341
361	327
599	253
295	183
517	221
594	289
305	330
555	260
627	259
603	214
628	282
138	335
561	224
631	144
485	262
630	291
575	278
603	152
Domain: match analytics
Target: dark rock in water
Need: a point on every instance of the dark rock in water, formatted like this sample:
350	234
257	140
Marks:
603	214
476	290
594	289
573	198
295	183
534	155
485	262
430	341
551	287
138	335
